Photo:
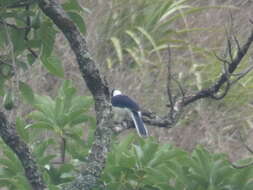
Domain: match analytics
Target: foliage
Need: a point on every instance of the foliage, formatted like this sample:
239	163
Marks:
141	30
11	171
138	163
135	33
31	36
65	116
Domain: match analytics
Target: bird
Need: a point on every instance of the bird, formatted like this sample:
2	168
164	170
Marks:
123	101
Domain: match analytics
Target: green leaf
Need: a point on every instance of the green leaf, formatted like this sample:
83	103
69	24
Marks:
8	100
34	43
42	146
117	46
124	145
22	183
18	40
139	152
20	126
53	65
81	103
40	125
47	36
77	18
2	86
137	40
13	158
74	5
30	58
66	168
66	92
26	92
2	38
58	110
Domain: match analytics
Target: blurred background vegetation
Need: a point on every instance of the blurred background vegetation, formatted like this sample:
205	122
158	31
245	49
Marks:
41	86
129	40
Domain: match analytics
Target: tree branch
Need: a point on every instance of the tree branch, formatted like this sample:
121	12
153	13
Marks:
244	143
209	92
152	119
96	84
11	138
88	179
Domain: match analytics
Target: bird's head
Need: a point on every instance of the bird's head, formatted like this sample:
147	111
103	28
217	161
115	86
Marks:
116	92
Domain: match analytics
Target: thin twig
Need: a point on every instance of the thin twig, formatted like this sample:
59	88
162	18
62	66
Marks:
242	74
208	92
169	78
244	144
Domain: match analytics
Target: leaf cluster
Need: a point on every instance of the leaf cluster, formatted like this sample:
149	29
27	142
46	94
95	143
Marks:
145	164
55	133
28	37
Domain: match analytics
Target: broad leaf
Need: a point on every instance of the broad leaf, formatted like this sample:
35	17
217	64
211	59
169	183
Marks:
26	92
53	65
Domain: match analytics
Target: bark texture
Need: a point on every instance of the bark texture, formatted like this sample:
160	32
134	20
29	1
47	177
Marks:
12	139
98	87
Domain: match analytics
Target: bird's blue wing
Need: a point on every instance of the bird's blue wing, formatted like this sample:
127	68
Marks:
124	101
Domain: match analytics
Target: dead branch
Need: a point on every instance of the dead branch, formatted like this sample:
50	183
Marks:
9	135
152	119
169	78
224	78
230	67
244	143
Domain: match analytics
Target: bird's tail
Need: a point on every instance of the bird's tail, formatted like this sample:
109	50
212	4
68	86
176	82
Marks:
139	125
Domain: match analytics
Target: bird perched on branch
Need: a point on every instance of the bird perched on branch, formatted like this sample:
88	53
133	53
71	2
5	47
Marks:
122	101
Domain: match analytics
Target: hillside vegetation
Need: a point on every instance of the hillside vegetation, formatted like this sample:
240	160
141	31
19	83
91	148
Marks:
161	53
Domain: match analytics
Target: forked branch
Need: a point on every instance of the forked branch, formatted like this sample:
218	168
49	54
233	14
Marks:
225	76
230	66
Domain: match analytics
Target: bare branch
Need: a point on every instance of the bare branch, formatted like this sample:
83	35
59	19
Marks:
209	92
169	78
152	119
244	143
241	75
229	49
11	138
220	59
